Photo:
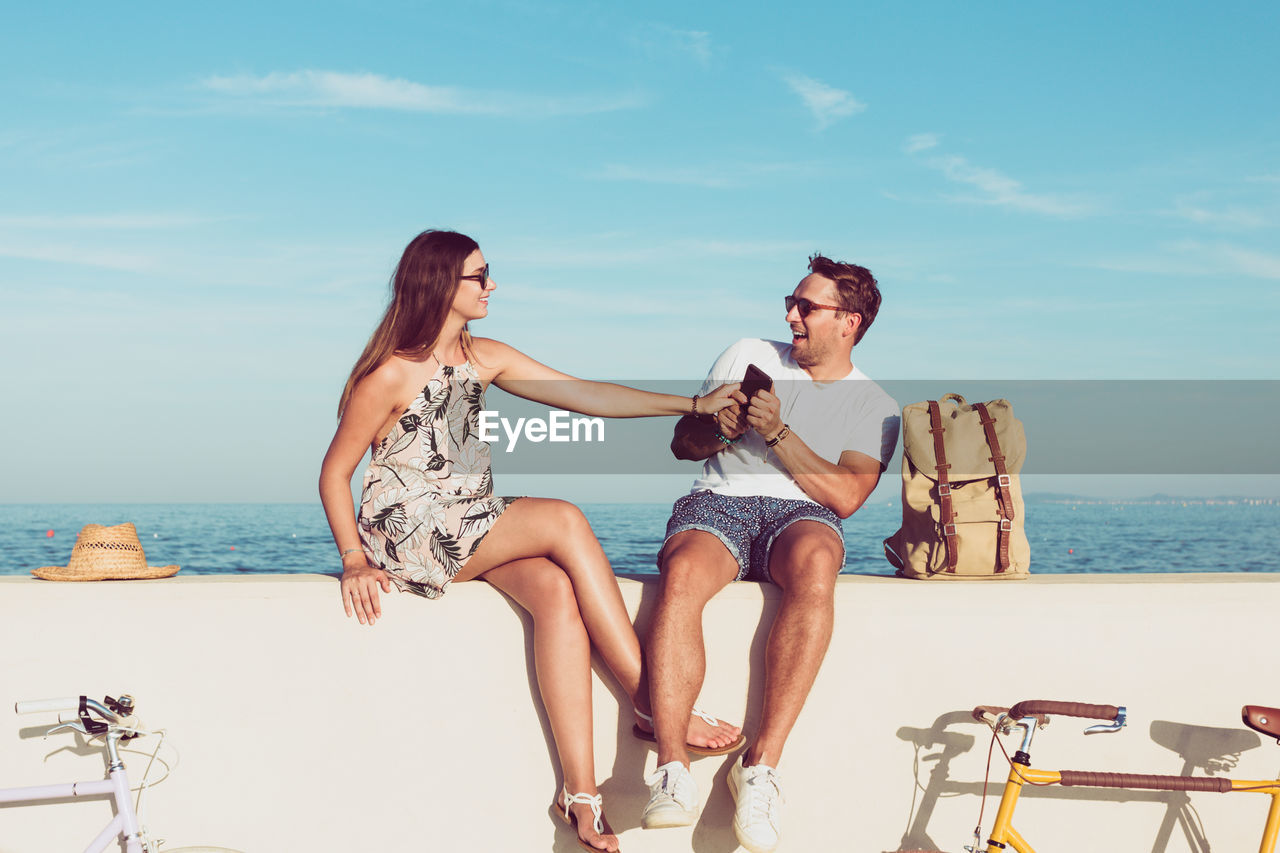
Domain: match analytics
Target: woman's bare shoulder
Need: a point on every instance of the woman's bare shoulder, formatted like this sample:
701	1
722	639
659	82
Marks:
490	349
492	357
394	371
395	380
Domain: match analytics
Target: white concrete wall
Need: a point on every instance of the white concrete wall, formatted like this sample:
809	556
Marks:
300	730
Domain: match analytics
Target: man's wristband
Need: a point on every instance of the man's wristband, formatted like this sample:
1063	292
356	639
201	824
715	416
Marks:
782	433
727	441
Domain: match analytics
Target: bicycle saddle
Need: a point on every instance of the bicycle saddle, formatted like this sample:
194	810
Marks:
1261	719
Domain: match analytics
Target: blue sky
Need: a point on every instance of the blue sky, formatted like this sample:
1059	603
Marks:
200	205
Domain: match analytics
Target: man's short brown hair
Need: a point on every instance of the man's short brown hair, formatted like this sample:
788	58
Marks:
855	287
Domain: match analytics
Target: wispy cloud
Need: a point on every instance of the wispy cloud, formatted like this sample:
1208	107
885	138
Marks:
111	259
654	304
1231	218
993	186
680	175
1199	259
613	249
827	103
342	90
77	240
76	149
742	248
696	43
660	40
103	222
1252	263
921	142
715	176
195	262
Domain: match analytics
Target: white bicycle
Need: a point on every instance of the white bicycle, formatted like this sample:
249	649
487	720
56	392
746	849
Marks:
112	721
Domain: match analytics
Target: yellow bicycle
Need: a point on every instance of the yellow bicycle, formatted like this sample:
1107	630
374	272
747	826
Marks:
1030	715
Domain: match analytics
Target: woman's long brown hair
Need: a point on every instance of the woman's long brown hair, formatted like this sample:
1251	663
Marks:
422	291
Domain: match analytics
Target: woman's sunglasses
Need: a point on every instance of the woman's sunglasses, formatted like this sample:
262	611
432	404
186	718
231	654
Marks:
804	306
483	277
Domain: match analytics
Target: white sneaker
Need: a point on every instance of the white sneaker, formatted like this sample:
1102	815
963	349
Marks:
673	797
757	795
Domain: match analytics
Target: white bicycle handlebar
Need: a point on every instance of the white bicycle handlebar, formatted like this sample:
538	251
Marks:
41	706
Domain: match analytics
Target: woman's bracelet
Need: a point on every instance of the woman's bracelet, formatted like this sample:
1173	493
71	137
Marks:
693	409
344	554
782	433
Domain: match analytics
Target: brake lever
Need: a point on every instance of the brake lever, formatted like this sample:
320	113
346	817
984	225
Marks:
75	727
1115	726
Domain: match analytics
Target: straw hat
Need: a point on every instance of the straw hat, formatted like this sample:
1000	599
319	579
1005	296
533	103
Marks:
106	554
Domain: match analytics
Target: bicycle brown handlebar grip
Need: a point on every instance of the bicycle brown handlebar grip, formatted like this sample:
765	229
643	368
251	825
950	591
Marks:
1086	779
1067	709
980	712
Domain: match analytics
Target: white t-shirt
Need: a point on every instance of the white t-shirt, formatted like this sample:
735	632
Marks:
852	413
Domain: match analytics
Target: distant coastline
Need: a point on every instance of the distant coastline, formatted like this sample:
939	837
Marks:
1150	500
1070	534
1029	497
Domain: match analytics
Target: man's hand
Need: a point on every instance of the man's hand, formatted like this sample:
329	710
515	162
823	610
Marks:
763	414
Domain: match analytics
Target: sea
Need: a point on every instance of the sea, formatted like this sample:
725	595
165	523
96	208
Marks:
1067	535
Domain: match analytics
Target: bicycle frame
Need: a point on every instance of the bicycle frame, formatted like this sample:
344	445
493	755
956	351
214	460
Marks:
1004	836
115	723
116	785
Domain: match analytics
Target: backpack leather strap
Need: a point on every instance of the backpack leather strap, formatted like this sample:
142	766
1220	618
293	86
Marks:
947	514
1004	500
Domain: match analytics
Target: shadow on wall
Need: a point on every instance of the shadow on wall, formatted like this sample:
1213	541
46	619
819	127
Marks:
624	791
1205	751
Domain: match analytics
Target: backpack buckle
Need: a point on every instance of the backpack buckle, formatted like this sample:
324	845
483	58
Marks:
949	529
944	490
1006	526
1004	481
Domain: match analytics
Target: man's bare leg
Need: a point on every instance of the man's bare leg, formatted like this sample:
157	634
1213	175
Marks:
695	566
805	561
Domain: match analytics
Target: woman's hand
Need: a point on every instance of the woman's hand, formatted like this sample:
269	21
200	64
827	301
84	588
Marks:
360	582
731	421
720	398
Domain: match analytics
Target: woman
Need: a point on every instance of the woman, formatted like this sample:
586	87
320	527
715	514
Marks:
428	516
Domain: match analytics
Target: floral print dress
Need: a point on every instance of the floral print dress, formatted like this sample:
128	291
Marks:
428	494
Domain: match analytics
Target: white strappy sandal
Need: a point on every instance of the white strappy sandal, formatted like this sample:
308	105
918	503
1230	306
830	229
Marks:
697	750
596	801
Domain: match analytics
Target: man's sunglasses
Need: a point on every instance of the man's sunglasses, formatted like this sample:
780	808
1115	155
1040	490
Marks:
483	277
804	306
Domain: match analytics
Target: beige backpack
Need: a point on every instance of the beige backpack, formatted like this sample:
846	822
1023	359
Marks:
962	510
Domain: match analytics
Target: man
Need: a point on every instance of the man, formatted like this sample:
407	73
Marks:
781	470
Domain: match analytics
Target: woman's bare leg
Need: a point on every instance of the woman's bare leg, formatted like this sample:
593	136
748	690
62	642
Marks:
558	531
562	659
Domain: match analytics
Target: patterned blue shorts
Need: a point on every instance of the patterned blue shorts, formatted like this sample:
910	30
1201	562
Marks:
747	526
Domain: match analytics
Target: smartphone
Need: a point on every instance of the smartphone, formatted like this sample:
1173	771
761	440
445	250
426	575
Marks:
755	380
